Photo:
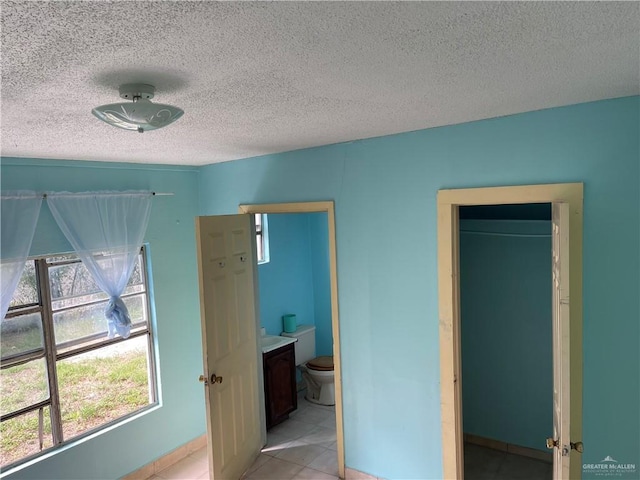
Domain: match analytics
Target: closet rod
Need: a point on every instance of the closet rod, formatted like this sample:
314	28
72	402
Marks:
498	234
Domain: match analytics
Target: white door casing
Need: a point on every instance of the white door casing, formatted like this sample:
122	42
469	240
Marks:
328	207
227	277
561	340
448	202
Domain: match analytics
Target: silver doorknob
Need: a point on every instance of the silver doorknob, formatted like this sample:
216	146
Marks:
578	447
214	379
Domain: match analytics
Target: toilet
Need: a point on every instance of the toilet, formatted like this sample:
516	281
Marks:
317	372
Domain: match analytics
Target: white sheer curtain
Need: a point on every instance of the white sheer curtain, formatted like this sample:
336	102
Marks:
106	229
20	210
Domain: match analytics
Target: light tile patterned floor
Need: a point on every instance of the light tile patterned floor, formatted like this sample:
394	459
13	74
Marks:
304	448
301	448
482	463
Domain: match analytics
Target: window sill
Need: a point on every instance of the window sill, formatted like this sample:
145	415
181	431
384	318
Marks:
50	452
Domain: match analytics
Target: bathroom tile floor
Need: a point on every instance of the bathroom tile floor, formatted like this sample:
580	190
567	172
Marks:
301	448
482	463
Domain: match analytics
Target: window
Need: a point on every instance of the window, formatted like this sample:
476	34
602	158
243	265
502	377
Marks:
262	237
60	376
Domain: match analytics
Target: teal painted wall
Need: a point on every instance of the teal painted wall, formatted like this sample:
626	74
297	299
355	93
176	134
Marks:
507	367
385	195
286	281
171	239
296	279
319	239
385	198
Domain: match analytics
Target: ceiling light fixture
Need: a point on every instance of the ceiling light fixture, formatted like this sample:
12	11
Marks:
139	114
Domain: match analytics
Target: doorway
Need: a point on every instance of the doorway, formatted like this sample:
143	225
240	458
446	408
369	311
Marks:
506	340
328	208
568	199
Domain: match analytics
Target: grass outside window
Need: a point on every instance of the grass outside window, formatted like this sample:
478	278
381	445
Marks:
68	382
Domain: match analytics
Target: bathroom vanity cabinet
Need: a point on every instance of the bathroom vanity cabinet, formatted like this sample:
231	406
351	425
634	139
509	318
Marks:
279	384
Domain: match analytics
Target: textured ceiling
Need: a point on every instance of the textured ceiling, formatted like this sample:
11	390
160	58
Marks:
263	77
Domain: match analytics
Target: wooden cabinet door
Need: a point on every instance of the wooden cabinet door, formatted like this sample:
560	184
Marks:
280	384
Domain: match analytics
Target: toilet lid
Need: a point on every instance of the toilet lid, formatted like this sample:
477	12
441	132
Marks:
321	364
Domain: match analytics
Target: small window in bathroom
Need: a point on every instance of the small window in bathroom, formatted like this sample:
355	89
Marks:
262	237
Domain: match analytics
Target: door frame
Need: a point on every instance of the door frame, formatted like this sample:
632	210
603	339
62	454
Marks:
448	203
315	207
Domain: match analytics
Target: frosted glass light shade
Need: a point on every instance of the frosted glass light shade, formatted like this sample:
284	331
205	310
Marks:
141	115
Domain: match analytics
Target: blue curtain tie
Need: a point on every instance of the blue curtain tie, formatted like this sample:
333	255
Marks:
118	319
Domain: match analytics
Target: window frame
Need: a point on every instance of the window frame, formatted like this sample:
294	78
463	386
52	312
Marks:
262	237
52	353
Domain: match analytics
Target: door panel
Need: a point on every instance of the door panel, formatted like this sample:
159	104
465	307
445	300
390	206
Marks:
561	324
227	273
218	308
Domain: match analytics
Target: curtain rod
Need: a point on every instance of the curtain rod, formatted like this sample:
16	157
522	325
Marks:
155	194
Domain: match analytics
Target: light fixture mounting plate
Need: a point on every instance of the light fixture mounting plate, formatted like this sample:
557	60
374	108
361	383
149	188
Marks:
140	90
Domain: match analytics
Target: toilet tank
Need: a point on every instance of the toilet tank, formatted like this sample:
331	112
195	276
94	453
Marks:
305	347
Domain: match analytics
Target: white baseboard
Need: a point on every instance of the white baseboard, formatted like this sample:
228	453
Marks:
167	460
509	448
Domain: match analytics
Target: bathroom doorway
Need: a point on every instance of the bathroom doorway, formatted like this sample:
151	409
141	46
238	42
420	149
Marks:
566	201
328	209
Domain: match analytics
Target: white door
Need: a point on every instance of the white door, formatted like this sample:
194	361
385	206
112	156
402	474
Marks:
227	276
560	268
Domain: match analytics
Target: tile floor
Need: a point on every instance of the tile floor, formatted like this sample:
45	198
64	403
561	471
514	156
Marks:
301	448
482	463
304	448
